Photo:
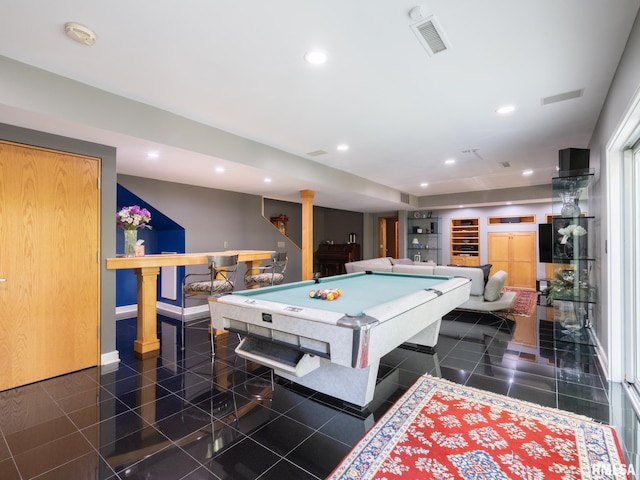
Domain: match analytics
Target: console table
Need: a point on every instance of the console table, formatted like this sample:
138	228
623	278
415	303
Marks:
147	269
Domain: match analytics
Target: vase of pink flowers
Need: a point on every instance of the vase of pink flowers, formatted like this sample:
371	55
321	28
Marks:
130	219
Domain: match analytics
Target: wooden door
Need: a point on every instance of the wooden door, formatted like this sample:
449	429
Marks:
515	253
523	259
388	237
382	237
49	247
498	253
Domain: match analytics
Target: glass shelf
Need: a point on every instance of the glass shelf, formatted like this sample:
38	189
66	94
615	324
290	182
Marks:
573	282
426	229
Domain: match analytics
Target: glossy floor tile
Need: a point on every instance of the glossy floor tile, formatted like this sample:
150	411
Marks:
178	416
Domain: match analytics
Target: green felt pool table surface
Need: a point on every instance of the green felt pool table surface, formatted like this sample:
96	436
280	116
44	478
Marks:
360	291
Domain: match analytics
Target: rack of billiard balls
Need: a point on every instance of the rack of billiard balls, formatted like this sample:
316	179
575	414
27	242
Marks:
326	294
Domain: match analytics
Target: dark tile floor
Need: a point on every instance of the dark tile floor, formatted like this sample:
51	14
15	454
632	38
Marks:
177	417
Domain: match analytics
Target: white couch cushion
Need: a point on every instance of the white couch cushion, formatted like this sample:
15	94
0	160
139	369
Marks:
474	274
493	289
416	269
382	264
400	261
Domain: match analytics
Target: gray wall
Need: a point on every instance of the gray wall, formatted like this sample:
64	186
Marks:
212	217
623	88
107	209
335	225
328	223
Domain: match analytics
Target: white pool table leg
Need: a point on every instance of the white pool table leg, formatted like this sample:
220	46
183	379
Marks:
429	336
353	385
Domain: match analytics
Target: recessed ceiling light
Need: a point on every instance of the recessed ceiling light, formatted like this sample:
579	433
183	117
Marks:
153	155
315	57
343	147
450	161
424	184
506	109
527	172
219	169
267	180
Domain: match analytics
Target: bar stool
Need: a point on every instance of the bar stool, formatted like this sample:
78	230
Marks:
220	279
269	274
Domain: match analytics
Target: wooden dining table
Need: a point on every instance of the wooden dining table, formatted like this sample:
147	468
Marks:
147	269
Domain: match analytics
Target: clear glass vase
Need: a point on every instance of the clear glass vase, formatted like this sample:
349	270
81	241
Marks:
569	315
570	207
130	240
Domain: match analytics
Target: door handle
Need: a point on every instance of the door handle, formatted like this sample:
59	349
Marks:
3	279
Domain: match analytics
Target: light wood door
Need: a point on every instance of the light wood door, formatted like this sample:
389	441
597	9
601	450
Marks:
49	245
515	253
382	237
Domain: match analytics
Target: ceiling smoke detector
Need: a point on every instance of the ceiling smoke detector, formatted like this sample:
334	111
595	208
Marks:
80	33
416	13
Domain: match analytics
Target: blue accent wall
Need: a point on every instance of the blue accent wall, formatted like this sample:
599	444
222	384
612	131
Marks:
164	236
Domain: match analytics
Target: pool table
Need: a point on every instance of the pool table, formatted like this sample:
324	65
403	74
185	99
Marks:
335	346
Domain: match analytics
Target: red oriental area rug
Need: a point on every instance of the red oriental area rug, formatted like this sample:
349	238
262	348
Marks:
441	430
525	303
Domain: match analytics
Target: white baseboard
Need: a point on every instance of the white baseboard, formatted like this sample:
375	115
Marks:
172	311
602	358
126	311
110	357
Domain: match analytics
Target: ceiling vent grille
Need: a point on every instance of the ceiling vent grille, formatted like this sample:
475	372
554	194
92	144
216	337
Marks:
404	198
561	97
430	35
317	153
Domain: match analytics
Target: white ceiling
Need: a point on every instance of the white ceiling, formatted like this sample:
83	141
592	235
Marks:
238	67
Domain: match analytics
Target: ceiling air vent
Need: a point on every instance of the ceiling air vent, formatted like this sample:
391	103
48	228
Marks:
317	153
505	164
404	197
561	97
430	35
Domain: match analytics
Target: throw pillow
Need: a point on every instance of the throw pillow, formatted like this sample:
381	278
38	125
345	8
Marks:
493	288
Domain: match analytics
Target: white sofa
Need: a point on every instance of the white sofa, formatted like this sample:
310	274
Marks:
484	297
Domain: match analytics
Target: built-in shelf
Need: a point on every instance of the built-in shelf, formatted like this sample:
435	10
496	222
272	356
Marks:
423	237
465	241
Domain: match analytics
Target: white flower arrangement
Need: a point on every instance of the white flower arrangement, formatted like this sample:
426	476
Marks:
569	231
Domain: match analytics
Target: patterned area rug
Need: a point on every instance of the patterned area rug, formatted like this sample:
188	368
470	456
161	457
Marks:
442	430
525	303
